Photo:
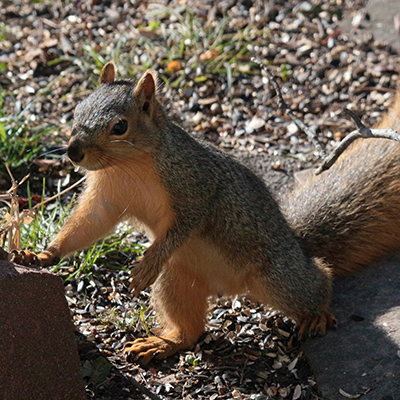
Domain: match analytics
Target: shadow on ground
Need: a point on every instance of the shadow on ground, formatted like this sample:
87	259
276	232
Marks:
363	355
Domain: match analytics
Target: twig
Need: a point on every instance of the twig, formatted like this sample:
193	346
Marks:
144	389
13	225
284	107
374	89
59	194
14	218
361	132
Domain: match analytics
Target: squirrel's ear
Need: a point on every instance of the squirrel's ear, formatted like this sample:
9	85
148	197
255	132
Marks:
107	74
146	91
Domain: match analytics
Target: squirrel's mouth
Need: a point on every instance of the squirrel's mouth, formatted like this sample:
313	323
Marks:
92	162
90	166
88	159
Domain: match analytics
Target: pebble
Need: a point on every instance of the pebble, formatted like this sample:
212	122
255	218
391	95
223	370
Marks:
215	108
256	123
197	118
292	128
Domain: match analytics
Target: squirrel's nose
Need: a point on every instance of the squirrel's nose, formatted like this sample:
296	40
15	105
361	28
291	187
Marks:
75	152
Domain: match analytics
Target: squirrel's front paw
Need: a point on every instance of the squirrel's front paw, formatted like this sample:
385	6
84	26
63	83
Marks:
23	257
26	257
143	275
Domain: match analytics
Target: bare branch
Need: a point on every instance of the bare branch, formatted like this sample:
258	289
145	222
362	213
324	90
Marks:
284	107
59	194
361	132
357	120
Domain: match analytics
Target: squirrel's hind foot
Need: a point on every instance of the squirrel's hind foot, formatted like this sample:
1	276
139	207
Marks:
144	350
317	326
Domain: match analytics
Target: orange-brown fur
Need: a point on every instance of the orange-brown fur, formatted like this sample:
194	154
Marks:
122	191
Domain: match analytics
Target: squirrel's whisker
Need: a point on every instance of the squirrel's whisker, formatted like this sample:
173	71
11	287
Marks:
123	141
45	154
52	151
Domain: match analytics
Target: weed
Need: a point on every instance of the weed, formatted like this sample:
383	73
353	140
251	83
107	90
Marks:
192	360
3	29
110	251
126	320
285	72
122	320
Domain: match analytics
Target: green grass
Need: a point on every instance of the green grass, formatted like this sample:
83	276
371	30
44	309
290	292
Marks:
48	221
191	37
110	252
19	143
188	39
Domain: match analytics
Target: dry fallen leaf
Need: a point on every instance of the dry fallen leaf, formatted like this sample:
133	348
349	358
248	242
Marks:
349	396
209	55
174	66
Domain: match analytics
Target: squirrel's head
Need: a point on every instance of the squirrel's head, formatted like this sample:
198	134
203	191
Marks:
116	122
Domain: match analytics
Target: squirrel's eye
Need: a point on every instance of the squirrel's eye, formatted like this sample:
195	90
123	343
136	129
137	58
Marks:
120	127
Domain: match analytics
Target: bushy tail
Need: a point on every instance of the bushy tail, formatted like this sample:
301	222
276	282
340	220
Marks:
350	214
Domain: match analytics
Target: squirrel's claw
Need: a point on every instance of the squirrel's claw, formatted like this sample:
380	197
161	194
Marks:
317	326
26	257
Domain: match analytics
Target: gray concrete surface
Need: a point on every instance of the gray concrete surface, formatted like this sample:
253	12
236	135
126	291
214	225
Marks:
362	357
380	21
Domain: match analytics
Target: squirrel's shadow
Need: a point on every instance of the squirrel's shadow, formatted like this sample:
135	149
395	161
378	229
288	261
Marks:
363	354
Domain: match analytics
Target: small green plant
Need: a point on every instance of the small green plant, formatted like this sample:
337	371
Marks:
122	320
192	360
96	371
110	252
144	319
189	38
99	60
285	72
3	29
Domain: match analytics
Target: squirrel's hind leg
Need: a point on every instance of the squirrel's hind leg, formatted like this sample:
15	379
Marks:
179	297
301	291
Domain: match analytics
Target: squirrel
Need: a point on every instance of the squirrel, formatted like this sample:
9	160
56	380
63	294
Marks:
215	226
